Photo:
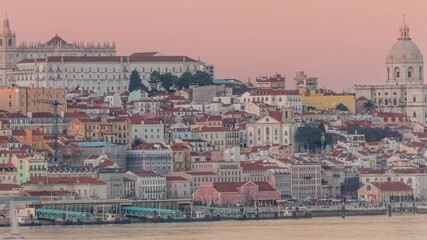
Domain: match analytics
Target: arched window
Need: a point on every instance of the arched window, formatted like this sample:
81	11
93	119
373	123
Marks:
421	73
397	73
410	70
10	42
267	131
1	42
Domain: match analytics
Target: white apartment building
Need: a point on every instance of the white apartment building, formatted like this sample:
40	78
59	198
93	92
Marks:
276	98
150	157
148	184
177	187
142	107
148	131
227	171
306	180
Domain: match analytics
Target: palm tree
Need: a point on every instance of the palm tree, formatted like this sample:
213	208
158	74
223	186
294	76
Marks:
369	105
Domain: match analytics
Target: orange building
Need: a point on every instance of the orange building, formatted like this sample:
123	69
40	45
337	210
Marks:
21	99
114	130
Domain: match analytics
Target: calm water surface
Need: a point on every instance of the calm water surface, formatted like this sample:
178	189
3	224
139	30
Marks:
366	228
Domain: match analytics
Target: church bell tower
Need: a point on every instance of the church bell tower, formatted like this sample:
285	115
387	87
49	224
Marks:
7	51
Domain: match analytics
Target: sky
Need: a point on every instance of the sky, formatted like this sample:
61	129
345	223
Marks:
342	42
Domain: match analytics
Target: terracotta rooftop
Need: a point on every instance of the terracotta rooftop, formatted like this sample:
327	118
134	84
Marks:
8	186
58	180
392	186
175	178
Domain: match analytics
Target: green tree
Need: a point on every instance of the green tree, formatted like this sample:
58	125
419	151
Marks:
203	78
374	134
342	107
369	105
137	141
310	108
310	137
167	80
185	81
135	82
154	79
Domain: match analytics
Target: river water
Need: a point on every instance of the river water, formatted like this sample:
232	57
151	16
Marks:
331	228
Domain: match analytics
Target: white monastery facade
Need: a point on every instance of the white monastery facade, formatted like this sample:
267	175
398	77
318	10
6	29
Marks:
59	64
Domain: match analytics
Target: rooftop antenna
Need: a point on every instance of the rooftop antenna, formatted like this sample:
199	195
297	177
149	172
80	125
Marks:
404	20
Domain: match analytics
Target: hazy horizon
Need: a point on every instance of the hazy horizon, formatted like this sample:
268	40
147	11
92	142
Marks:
341	42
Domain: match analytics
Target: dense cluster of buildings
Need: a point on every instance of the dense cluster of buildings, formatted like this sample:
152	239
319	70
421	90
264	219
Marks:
225	144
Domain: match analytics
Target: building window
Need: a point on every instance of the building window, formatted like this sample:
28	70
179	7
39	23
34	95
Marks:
410	72
397	73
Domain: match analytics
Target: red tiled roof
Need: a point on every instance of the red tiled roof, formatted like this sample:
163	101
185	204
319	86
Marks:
76	115
202	173
175	178
276	78
7	166
215	118
142	54
42	115
8	186
125	179
4	121
248	166
274	92
362	98
18	133
233	186
277	115
56	40
58	180
135	119
216	129
392	186
264	186
107	163
12	115
145	173
48	193
132	58
93	156
227	186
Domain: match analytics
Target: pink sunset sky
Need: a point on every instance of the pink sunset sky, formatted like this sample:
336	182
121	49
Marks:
343	42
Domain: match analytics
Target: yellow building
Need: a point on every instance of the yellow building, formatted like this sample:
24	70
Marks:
385	192
21	99
322	100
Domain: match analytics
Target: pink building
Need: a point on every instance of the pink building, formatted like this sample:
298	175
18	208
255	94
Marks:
224	193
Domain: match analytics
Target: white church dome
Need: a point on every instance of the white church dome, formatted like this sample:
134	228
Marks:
404	50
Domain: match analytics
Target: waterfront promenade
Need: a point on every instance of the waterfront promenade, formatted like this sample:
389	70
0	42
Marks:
355	228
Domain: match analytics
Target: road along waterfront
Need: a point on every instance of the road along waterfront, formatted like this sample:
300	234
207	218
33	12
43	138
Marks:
333	228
